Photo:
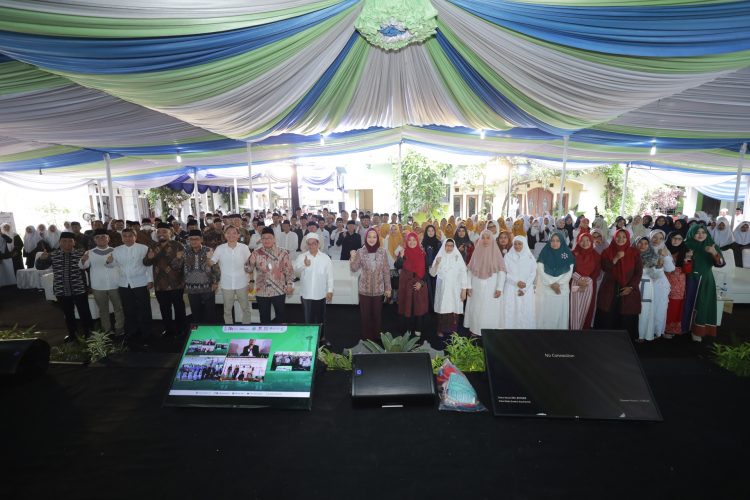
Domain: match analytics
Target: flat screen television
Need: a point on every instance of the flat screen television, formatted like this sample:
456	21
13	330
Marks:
568	374
248	366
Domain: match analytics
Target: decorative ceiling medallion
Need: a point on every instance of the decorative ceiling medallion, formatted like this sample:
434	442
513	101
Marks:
394	24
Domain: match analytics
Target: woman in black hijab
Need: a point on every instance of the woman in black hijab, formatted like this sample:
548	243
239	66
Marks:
431	245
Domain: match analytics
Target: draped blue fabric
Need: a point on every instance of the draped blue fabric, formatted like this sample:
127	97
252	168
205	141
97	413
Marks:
120	56
725	190
660	31
307	102
591	136
488	94
179	149
78	157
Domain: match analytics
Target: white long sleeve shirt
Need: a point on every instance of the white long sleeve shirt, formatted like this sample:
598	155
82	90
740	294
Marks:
129	260
317	278
289	242
232	264
103	276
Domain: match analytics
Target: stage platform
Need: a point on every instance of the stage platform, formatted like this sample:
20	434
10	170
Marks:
100	432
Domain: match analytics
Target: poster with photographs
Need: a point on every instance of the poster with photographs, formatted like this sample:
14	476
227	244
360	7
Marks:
292	361
207	346
241	369
200	368
249	348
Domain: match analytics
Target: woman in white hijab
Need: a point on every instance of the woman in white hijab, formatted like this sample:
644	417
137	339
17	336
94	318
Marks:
722	233
450	291
664	264
741	242
519	286
52	237
7	273
30	241
637	229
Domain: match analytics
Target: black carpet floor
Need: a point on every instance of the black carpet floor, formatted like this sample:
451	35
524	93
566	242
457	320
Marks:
101	432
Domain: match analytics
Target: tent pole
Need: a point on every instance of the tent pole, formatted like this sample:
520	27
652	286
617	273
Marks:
624	190
112	206
250	176
270	203
195	193
743	150
99	199
560	203
236	195
510	186
294	188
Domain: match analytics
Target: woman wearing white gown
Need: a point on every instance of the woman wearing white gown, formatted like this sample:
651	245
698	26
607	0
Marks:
450	291
649	258
485	287
554	270
664	264
519	286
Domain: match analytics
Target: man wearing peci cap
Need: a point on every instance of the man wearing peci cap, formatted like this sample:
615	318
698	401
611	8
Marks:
105	278
201	279
274	277
168	259
69	283
136	279
316	280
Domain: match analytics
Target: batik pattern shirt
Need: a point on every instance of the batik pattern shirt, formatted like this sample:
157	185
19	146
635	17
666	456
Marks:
168	263
69	279
274	271
200	274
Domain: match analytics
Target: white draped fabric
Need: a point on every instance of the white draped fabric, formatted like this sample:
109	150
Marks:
553	309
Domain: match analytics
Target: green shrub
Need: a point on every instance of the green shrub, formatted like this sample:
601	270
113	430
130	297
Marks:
464	353
335	361
736	359
404	343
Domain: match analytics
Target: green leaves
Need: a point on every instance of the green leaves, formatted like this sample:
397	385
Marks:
404	343
736	359
465	354
334	361
421	183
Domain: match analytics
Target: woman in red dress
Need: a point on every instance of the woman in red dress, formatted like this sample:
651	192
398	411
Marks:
683	266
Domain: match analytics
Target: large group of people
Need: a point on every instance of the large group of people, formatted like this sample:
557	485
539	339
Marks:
649	275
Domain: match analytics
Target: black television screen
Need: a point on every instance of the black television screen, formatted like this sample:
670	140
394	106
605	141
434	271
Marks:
557	373
249	366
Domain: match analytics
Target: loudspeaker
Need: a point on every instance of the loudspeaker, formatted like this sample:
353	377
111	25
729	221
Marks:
23	358
392	379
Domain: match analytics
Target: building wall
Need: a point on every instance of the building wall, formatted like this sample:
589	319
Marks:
378	177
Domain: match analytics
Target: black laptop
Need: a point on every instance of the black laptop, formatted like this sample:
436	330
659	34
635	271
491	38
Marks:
392	379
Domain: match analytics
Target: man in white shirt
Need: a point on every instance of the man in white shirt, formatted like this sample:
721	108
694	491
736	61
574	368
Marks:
231	258
276	225
136	279
288	240
316	279
105	280
334	252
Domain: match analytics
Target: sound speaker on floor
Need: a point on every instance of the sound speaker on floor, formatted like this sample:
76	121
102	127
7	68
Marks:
393	379
23	358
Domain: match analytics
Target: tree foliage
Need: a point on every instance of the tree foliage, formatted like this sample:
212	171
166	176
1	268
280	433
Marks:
170	198
614	180
421	184
665	198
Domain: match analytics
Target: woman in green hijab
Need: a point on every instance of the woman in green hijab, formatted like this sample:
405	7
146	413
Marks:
706	255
